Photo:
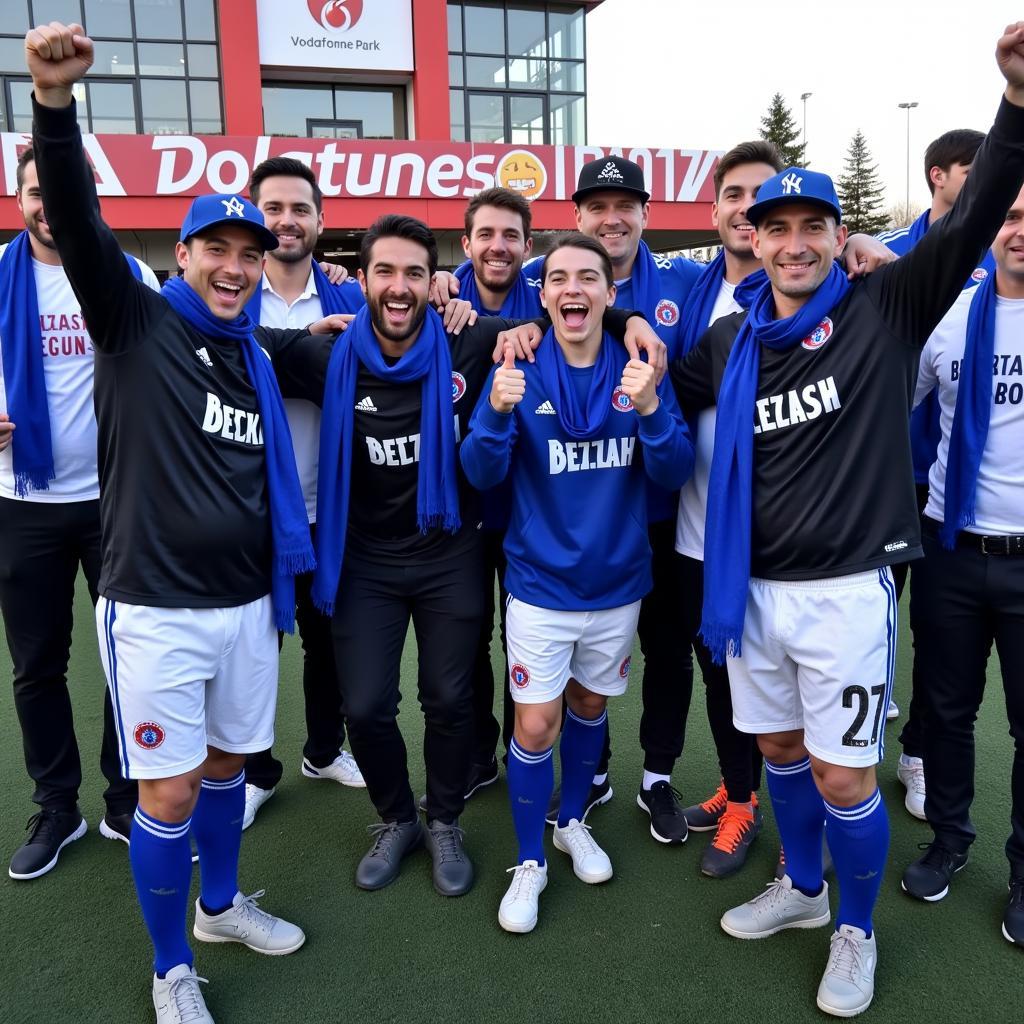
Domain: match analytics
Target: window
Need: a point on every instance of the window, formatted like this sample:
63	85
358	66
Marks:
334	111
156	70
498	54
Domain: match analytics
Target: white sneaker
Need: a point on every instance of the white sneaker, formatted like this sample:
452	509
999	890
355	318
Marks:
244	922
892	711
910	771
589	862
518	910
342	769
848	984
255	798
780	906
177	999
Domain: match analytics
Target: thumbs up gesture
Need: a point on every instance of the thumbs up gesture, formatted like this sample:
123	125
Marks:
508	385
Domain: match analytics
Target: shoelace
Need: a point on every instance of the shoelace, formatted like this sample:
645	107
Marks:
715	804
915	779
526	877
186	998
775	893
580	840
732	827
385	832
249	910
41	823
664	797
937	856
1017	892
449	842
846	958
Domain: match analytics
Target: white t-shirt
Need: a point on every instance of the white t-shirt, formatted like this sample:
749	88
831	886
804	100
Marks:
693	500
999	499
68	373
303	416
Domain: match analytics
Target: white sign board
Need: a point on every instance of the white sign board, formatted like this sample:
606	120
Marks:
373	35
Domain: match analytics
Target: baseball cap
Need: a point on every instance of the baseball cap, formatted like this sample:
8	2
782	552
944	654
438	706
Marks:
208	211
611	173
795	185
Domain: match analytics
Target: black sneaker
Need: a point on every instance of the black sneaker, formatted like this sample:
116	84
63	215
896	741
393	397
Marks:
49	832
453	870
392	842
727	851
482	775
598	795
929	876
1013	918
661	802
117	826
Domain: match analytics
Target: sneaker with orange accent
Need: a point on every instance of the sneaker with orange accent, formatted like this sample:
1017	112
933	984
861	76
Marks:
727	852
704	817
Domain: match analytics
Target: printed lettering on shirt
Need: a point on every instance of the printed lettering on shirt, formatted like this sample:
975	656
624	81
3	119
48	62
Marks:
575	456
64	334
1003	365
778	411
400	451
232	424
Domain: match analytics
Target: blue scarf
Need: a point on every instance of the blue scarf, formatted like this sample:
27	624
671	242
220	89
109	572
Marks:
728	522
334	298
24	377
646	281
700	303
289	525
437	494
554	372
971	416
521	303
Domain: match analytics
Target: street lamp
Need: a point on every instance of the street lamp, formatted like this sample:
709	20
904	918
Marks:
804	96
908	107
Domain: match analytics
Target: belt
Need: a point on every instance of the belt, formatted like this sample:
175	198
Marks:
987	544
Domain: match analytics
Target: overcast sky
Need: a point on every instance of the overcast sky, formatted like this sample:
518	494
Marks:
700	75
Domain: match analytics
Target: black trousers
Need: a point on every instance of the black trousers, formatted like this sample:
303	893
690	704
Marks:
485	726
963	601
325	722
42	544
445	600
911	738
739	757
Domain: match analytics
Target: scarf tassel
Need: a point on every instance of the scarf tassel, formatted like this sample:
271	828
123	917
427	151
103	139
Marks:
721	641
33	480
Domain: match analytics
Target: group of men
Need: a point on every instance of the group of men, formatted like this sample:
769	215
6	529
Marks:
209	481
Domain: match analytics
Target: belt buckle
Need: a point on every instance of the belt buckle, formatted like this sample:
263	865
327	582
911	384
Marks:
1002	549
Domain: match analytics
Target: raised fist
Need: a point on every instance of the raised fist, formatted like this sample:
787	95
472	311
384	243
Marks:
57	57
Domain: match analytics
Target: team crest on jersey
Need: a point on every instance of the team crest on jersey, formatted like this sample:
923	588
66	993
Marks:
817	338
520	676
979	274
621	402
458	386
624	667
149	735
667	313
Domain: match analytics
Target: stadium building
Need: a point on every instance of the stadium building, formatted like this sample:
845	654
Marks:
405	106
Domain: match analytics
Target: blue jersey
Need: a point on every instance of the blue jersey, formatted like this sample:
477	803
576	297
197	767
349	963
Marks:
577	539
925	431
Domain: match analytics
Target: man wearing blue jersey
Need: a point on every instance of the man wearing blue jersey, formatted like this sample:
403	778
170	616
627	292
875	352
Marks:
573	420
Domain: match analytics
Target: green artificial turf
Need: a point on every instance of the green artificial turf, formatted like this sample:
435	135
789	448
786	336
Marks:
644	947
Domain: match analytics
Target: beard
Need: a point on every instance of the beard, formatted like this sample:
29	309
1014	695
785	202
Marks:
377	318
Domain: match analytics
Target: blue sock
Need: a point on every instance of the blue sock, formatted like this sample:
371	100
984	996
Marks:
800	815
217	827
531	780
162	868
580	751
859	840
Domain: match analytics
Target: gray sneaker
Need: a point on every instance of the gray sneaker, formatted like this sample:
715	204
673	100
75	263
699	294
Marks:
244	922
453	870
392	842
780	906
848	984
177	999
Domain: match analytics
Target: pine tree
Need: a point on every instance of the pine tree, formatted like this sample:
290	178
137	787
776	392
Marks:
779	127
860	191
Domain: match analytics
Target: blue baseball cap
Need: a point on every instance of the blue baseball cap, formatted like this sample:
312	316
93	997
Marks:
208	211
795	185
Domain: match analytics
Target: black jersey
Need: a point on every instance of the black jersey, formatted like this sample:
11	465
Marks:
833	487
183	497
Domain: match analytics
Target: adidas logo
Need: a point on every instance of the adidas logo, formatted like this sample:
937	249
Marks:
545	409
366	405
204	356
610	173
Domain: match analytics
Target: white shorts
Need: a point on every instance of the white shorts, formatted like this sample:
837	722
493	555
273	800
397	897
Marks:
819	655
547	647
184	678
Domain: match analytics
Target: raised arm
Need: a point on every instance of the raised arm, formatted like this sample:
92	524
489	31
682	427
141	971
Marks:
118	308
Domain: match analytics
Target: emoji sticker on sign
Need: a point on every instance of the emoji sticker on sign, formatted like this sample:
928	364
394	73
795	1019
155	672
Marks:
522	172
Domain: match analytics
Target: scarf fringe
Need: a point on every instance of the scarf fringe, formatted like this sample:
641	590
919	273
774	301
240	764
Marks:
33	480
448	521
293	563
721	641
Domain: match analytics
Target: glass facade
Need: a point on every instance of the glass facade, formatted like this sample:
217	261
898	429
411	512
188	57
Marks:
156	68
517	72
327	111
